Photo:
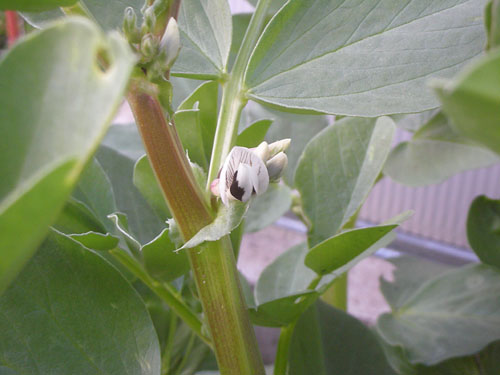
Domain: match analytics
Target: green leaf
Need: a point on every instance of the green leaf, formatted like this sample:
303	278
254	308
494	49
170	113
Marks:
366	58
283	311
339	251
204	98
338	169
205	29
71	312
162	261
46	136
227	219
285	276
472	101
145	180
483	229
489	359
409	275
96	241
95	191
240	25
332	342
189	128
265	209
453	315
108	15
254	134
76	217
435	153
34	5
281	293
117	155
300	129
414	121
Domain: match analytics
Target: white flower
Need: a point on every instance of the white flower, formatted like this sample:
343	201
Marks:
243	174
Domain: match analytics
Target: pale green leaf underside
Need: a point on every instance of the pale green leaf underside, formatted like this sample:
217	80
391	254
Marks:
472	101
71	312
435	153
363	58
453	315
206	29
337	170
46	135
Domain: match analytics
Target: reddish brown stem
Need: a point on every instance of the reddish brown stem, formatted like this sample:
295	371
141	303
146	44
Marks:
12	26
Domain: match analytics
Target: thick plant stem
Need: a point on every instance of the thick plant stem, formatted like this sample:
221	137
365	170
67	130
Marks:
233	96
281	364
214	268
213	263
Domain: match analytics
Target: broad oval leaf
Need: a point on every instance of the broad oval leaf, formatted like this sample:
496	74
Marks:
46	136
435	153
206	29
483	229
472	101
453	315
71	312
365	58
337	170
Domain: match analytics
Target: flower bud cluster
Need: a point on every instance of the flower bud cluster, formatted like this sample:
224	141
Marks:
157	54
246	172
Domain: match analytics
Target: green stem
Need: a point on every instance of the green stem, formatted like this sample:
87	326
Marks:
185	358
233	96
172	327
213	263
281	364
165	292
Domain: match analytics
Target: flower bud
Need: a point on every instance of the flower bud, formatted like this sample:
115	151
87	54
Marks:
129	26
170	44
262	151
149	46
149	20
278	146
276	166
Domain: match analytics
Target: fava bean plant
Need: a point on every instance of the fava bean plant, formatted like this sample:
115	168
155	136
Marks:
119	242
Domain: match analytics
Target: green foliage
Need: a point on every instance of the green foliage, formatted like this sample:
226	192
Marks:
206	39
34	5
435	153
483	229
472	101
431	324
342	161
365	59
327	341
78	314
70	311
50	166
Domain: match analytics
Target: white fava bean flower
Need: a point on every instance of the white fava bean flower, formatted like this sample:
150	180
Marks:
242	174
249	171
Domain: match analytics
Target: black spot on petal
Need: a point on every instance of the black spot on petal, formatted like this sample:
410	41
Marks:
235	190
